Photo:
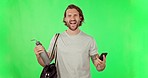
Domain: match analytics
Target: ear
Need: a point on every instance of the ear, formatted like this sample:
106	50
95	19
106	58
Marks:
80	18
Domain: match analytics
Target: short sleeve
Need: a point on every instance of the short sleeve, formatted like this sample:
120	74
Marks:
51	44
93	47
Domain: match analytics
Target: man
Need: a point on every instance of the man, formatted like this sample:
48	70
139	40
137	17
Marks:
74	48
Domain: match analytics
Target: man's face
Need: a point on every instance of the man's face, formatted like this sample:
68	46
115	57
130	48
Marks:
72	19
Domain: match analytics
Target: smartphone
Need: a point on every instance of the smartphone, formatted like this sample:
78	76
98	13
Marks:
101	56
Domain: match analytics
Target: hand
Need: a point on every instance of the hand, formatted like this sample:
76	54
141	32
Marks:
101	64
38	49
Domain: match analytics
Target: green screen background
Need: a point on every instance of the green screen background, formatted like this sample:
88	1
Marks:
119	27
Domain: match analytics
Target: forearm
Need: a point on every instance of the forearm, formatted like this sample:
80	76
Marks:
100	65
40	61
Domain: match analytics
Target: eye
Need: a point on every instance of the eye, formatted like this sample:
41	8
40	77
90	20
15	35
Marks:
69	15
75	15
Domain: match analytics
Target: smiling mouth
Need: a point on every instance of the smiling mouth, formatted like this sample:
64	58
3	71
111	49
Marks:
73	22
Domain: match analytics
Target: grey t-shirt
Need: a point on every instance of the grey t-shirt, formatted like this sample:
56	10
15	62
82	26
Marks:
73	55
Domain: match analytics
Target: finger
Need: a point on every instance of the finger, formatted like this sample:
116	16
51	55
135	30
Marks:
104	58
35	49
38	52
40	48
100	61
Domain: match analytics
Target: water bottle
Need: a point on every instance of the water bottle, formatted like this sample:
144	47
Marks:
44	55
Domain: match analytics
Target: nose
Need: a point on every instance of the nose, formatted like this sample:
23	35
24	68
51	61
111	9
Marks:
72	18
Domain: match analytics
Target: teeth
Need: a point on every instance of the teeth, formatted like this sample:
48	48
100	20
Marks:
73	22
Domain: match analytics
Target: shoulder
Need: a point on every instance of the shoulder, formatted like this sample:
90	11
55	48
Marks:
60	34
86	35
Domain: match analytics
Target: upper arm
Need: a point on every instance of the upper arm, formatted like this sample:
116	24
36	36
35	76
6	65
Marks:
93	50
51	45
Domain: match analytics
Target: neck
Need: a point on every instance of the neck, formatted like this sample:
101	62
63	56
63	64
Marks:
75	32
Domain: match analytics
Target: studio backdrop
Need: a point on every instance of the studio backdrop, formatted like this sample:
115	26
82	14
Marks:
119	27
